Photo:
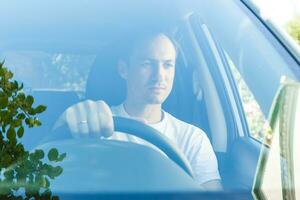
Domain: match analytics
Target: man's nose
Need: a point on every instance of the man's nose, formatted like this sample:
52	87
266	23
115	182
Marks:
158	72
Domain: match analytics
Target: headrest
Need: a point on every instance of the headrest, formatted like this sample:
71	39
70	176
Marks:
104	81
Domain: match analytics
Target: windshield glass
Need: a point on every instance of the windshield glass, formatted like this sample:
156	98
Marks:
257	55
134	102
54	71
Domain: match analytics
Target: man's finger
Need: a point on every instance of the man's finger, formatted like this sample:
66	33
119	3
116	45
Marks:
93	118
105	119
82	123
70	116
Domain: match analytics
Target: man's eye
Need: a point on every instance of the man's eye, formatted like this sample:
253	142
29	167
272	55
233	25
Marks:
169	65
146	63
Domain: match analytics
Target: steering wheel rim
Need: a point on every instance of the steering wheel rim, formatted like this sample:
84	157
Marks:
140	130
149	134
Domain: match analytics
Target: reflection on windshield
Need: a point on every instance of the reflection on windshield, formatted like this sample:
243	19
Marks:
43	70
23	173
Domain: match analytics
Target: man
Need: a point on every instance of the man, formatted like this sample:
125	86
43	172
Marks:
149	73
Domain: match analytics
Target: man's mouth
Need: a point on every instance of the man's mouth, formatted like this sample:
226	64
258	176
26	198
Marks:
157	88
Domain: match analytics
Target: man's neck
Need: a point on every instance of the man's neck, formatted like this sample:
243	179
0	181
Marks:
149	113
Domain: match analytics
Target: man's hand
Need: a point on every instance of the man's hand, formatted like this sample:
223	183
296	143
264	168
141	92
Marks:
88	118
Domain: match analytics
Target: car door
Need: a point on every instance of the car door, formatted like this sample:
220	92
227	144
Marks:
245	63
225	116
277	174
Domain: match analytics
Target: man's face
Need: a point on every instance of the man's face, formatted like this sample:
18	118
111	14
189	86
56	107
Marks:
151	70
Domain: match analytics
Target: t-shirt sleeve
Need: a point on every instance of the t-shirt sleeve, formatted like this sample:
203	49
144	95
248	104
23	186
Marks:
202	158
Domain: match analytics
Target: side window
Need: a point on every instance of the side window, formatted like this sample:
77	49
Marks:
257	122
48	70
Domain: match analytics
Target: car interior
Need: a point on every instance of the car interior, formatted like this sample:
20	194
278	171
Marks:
199	97
187	102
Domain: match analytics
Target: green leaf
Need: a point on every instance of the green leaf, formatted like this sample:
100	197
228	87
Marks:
5	191
20	132
21	86
14	85
29	100
47	194
21	96
21	116
43	182
3	102
3	128
11	134
8	74
40	109
9	174
31	111
16	123
61	157
53	154
20	149
55	171
39	154
58	170
6	160
47	183
29	122
37	122
2	94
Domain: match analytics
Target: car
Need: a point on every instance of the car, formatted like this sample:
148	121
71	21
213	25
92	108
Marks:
229	68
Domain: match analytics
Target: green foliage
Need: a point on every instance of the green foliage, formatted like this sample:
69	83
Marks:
21	169
293	28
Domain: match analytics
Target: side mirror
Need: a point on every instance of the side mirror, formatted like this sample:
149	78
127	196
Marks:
278	171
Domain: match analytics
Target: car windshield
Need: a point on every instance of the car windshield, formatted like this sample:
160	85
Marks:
217	69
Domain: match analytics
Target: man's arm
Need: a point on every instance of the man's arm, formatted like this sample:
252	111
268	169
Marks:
213	185
204	162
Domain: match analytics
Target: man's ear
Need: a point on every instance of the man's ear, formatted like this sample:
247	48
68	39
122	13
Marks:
123	69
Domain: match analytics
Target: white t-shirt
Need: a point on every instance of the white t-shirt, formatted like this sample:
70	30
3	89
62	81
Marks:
191	140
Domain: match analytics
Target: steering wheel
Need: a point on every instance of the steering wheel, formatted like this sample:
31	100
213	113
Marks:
153	136
140	130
